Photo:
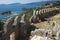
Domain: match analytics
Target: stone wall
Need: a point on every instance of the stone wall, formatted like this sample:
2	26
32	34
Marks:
20	26
10	28
14	24
44	13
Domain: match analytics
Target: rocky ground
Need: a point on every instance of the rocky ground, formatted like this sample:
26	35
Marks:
49	24
56	18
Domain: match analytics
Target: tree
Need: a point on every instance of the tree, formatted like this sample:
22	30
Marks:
24	9
47	4
56	3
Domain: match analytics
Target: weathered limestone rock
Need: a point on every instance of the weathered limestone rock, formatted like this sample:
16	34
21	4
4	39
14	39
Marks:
43	31
30	20
6	24
57	27
37	12
58	35
23	18
34	14
35	37
15	21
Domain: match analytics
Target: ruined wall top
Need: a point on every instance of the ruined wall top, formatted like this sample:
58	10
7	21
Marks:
23	18
44	10
8	23
15	21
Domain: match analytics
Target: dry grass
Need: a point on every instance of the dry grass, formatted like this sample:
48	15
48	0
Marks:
56	18
43	25
46	25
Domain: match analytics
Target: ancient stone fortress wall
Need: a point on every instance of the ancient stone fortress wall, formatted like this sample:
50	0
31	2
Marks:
39	14
15	25
10	28
43	32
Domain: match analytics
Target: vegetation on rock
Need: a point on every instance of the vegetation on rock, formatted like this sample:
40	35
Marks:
1	25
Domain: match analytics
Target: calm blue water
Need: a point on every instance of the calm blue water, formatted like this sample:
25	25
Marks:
5	17
17	7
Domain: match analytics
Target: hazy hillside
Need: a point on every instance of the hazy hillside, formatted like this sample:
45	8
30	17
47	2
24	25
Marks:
18	7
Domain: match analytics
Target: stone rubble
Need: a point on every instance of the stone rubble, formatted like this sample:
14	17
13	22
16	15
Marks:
39	34
40	38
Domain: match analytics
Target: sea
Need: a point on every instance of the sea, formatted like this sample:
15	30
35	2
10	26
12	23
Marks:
6	16
17	7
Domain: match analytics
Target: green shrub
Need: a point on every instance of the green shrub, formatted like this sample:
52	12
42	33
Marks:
1	25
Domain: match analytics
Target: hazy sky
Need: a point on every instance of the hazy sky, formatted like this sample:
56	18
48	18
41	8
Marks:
19	1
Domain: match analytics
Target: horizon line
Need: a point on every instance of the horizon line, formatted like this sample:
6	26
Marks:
21	3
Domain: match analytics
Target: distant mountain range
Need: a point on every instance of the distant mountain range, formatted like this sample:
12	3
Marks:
17	7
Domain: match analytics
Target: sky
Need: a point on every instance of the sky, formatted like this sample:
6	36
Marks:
19	1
